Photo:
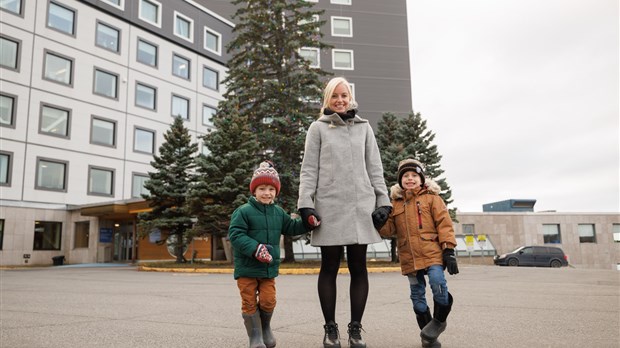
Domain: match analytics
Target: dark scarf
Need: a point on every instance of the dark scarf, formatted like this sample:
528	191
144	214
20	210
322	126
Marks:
344	116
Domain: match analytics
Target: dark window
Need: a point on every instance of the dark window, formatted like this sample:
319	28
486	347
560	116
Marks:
47	235
81	234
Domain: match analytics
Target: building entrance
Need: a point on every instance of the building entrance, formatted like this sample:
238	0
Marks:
123	242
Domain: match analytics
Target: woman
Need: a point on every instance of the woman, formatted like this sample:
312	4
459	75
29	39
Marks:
342	185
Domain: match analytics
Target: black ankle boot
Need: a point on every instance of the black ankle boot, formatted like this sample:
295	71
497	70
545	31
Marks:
265	319
423	319
355	335
433	329
332	337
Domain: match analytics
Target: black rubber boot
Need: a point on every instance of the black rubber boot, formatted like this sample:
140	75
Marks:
265	319
355	335
423	319
332	336
255	331
433	329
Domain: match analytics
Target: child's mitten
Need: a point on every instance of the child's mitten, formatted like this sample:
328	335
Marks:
262	254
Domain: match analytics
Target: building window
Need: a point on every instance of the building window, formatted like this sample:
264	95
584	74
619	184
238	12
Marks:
13	6
183	27
204	150
6	168
341	2
1	232
210	78
102	132
207	115
100	181
180	107
144	140
116	3
352	85
150	11
82	232
146	96
108	37
9	53
61	18
468	229
342	26
105	84
342	59
312	55
147	53
51	174
551	234
47	235
55	121
586	233
58	69
137	185
8	106
213	41
615	228
180	66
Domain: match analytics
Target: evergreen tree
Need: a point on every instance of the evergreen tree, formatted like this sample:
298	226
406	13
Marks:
225	172
168	186
276	89
401	138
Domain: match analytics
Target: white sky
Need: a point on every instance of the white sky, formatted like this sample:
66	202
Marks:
523	96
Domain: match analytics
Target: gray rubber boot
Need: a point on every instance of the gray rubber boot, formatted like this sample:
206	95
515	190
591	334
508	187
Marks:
332	336
423	319
433	329
254	328
355	335
265	319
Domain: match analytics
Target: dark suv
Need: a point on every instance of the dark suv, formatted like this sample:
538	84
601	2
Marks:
533	256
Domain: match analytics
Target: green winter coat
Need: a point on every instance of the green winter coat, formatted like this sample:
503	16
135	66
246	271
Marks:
255	223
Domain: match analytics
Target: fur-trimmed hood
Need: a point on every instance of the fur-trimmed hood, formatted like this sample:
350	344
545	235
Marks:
430	186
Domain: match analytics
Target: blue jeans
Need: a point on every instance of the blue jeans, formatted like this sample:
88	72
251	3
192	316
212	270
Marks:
417	284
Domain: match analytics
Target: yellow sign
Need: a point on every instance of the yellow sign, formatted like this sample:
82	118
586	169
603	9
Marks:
469	240
482	238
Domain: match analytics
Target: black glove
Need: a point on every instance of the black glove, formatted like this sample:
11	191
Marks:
310	218
449	261
380	216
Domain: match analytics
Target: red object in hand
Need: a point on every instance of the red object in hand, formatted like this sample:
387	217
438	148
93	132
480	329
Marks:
314	221
262	254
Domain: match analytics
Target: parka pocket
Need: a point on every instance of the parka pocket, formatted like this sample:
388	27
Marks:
429	236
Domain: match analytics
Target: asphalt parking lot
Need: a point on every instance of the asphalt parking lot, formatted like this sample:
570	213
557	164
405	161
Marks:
122	307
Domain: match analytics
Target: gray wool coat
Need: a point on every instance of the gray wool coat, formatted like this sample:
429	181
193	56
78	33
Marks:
342	178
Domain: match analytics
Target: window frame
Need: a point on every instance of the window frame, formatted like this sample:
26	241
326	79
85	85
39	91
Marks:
89	184
154	108
20	13
189	66
74	22
208	124
318	56
153	142
9	168
1	233
558	234
47	52
159	10
187	99
114	131
156	65
18	52
65	174
217	78
340	50
586	238
13	114
58	235
615	231
118	37
348	19
77	230
56	107
116	85
342	2
133	183
210	31
179	15
120	6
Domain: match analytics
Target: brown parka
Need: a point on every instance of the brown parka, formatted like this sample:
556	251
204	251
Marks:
422	225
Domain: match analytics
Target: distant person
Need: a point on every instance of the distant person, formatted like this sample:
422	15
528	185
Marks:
426	245
255	230
342	184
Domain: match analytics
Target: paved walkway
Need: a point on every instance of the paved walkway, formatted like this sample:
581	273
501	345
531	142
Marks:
122	307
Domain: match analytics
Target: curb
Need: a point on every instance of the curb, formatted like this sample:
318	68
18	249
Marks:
282	270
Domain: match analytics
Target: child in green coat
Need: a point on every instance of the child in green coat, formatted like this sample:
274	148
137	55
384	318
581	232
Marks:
255	230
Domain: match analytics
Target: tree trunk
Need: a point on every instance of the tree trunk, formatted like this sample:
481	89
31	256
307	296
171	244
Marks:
289	255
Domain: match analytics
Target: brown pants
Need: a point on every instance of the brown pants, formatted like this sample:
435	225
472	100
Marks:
257	292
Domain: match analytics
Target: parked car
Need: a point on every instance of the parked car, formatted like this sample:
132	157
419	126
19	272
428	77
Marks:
543	256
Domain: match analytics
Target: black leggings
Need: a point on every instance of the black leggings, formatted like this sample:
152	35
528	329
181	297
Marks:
358	289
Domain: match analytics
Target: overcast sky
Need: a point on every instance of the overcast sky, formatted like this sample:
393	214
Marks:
523	96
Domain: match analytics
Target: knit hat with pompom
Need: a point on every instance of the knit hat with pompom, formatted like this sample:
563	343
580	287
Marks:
266	174
410	165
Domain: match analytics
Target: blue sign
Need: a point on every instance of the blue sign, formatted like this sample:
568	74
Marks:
105	235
